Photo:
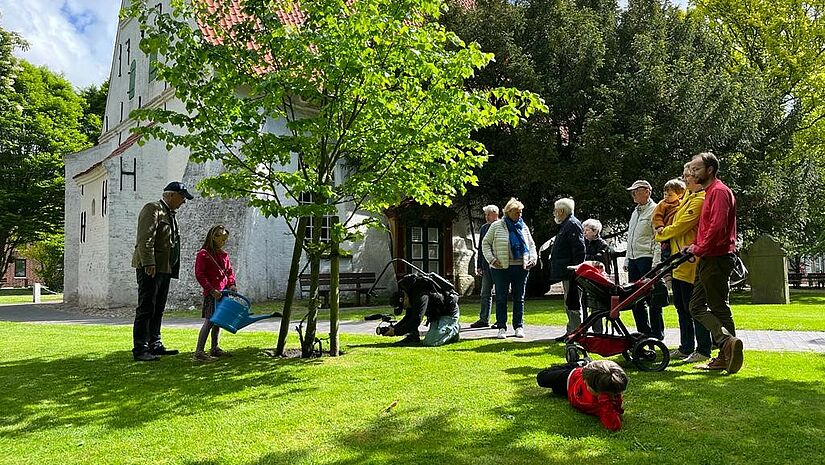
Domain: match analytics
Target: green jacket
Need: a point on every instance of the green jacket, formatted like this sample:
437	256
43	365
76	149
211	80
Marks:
158	240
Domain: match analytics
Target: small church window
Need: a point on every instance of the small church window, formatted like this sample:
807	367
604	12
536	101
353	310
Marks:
132	72
93	207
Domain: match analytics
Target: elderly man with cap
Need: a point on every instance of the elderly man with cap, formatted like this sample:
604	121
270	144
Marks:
156	261
640	249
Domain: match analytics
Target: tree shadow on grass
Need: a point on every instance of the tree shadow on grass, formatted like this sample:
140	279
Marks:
675	416
44	393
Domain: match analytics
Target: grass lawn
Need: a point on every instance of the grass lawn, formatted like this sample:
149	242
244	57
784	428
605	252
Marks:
806	312
71	395
21	299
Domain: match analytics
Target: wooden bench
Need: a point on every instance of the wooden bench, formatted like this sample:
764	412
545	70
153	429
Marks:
359	283
815	279
795	279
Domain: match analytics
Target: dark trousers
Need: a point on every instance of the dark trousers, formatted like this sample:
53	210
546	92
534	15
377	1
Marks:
692	335
652	323
711	291
555	377
513	279
152	293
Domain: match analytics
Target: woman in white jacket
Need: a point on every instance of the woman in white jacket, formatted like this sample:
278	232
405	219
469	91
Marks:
509	248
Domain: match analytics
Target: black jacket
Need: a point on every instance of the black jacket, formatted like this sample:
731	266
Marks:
426	299
598	250
568	249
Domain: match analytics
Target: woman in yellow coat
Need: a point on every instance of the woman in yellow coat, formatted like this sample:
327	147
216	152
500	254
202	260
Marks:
695	343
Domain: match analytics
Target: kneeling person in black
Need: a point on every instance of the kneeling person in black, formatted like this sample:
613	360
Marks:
420	296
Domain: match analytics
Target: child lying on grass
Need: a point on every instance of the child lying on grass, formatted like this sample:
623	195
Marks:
594	388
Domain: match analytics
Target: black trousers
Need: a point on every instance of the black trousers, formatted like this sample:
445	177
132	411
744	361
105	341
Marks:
152	294
555	377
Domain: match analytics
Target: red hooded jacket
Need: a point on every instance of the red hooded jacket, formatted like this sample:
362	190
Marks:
609	410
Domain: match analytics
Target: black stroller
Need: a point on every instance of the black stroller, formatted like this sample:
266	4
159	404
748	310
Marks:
607	300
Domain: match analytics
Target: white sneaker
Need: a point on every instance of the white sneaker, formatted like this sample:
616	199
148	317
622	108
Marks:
520	332
502	333
695	357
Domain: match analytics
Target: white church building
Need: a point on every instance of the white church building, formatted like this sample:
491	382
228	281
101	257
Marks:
108	184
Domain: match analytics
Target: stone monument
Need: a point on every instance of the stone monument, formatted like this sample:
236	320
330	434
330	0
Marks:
768	268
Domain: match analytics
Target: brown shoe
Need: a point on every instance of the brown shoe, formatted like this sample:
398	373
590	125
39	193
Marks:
732	348
714	364
202	357
218	352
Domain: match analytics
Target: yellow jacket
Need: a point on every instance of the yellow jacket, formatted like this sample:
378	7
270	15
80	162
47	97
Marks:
682	232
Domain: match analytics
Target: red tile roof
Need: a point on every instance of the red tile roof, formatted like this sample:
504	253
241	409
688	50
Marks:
295	16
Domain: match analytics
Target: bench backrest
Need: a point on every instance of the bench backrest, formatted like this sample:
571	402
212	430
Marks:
357	280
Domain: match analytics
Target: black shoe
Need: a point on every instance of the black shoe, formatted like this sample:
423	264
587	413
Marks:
562	338
161	350
146	357
495	326
480	324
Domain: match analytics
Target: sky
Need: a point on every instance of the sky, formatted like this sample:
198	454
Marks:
74	37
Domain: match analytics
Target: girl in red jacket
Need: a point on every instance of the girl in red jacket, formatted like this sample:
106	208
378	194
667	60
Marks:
214	273
595	388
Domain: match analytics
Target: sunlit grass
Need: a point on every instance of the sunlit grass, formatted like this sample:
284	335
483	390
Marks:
71	394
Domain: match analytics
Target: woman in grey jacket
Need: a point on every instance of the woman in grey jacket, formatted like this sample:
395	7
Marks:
509	249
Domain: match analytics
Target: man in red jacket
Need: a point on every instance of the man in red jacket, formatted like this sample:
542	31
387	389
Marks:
715	243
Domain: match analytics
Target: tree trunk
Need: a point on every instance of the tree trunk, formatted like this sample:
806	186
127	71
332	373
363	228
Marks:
334	281
315	270
294	267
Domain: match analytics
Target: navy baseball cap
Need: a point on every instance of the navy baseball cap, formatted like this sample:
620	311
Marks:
180	188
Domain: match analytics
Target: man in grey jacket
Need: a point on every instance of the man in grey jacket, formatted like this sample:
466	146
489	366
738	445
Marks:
156	261
640	248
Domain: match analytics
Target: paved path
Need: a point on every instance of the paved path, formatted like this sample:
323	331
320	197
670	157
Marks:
56	313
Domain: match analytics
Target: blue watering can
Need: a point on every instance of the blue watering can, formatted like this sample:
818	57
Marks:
232	312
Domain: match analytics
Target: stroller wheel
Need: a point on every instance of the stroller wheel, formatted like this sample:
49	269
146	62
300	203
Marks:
651	355
574	353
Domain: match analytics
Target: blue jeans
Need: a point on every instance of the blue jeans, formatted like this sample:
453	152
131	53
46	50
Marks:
486	295
652	324
691	333
513	278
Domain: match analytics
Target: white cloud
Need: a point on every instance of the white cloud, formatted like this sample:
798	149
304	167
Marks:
71	37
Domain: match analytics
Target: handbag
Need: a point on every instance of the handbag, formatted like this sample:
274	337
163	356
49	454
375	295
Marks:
739	274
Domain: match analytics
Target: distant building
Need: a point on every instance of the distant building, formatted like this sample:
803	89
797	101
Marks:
20	272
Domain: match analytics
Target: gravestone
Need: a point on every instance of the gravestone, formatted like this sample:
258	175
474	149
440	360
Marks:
768	268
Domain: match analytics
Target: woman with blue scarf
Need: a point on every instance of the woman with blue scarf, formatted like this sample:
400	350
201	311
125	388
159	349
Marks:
509	248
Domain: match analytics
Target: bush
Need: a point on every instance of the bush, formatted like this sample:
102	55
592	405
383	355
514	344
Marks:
48	255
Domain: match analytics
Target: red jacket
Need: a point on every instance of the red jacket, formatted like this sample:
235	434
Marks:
608	409
213	271
717	224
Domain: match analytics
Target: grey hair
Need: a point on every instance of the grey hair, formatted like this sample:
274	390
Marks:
567	205
491	209
593	224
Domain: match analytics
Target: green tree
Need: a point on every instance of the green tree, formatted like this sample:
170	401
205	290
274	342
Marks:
372	98
777	48
94	110
39	123
48	253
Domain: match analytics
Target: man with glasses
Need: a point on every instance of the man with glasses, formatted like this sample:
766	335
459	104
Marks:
715	243
640	249
156	261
